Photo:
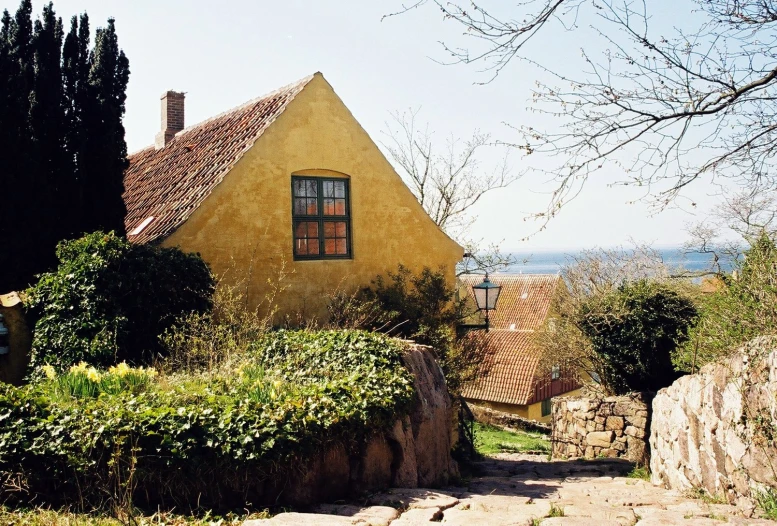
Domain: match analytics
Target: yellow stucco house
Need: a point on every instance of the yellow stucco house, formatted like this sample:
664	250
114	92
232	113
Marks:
287	191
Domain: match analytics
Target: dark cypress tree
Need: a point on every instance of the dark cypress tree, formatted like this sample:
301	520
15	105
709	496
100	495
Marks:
105	155
49	163
61	138
23	227
75	80
7	174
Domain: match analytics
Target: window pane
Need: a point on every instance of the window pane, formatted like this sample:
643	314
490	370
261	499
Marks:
329	229
340	189
342	246
313	247
312	187
312	207
299	205
329	246
312	230
329	189
340	229
329	207
301	247
299	188
339	207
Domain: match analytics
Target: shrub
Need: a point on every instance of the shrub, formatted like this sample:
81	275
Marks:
191	441
203	341
108	301
634	331
422	307
743	307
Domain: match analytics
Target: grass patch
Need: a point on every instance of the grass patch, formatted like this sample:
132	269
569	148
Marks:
767	502
555	511
51	517
703	495
490	440
639	472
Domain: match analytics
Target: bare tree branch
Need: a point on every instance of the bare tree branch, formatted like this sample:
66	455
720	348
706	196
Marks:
664	110
448	179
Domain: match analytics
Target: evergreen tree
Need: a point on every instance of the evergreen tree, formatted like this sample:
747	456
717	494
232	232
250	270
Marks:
75	79
48	165
105	155
21	225
7	176
61	137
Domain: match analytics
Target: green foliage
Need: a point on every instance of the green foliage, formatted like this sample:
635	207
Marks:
84	381
61	137
203	341
767	502
639	472
743	307
109	301
214	441
555	511
490	440
634	330
424	308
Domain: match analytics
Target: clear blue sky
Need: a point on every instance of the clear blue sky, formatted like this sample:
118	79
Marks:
225	53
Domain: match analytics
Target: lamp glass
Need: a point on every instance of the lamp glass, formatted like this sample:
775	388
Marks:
486	294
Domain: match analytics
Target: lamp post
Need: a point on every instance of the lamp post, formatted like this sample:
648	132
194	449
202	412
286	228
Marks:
486	295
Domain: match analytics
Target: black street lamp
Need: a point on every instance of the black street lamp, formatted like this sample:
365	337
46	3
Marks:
486	296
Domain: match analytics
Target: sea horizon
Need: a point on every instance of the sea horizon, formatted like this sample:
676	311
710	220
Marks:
551	261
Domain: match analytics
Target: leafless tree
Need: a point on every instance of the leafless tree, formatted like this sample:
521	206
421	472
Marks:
747	214
448	179
665	110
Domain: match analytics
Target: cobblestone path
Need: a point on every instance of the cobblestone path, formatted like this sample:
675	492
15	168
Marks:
513	489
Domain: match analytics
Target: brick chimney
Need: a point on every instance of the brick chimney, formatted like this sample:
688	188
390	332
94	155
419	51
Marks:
172	117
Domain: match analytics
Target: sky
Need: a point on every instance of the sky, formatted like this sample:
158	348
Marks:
228	52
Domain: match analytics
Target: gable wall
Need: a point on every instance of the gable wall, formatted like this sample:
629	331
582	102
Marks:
244	228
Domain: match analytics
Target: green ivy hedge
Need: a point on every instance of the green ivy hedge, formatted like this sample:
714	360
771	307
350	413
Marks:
109	300
186	442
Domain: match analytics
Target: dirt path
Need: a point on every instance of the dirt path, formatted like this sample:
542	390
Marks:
514	489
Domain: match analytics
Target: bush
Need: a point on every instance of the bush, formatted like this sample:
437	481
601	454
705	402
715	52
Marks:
204	341
190	441
422	307
634	330
108	301
742	308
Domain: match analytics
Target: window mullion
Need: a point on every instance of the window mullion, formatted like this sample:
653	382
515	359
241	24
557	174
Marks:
321	243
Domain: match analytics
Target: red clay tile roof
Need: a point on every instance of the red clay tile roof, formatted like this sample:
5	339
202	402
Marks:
512	358
509	368
170	183
524	301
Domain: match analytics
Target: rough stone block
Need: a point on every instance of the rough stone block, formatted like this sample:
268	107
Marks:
634	432
614	423
599	438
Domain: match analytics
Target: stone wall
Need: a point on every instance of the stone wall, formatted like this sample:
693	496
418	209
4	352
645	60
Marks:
614	427
711	430
486	415
415	452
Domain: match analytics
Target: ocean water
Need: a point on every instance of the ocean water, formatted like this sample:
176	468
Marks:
546	262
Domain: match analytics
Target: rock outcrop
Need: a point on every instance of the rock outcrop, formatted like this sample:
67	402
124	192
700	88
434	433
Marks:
414	452
613	427
715	429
